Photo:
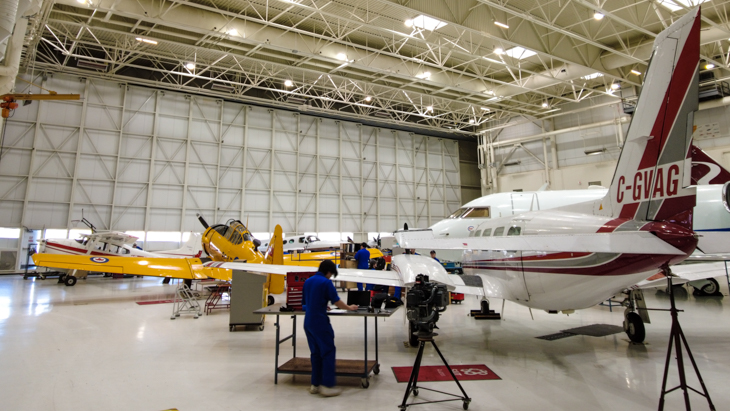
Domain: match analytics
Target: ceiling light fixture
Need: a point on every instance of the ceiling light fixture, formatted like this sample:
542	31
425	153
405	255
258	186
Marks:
342	56
519	53
500	24
429	108
288	83
190	66
144	40
233	32
485	109
615	86
425	75
595	152
498	50
635	72
409	23
472	121
598	15
544	104
426	23
709	66
592	76
368	99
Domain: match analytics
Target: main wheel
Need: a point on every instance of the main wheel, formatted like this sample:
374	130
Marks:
634	327
712	288
70	280
270	300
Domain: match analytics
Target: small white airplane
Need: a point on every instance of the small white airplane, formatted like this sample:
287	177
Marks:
304	243
578	255
111	243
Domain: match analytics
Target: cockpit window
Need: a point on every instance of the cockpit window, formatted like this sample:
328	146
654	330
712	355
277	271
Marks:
514	231
477	212
458	213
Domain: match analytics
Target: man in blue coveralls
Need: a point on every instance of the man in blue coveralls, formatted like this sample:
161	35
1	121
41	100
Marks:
363	263
318	292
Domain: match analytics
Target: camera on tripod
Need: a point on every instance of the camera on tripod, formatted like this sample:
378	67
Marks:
425	301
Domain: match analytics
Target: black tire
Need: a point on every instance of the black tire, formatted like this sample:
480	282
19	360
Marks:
412	337
712	288
70	281
261	327
634	327
465	405
270	300
415	392
365	383
376	369
484	305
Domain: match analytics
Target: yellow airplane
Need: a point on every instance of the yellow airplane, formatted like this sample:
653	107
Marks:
221	242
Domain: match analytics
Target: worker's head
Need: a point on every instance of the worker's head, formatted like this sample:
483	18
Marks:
364	245
328	268
433	253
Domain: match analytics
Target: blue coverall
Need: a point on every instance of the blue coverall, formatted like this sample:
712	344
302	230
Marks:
363	263
318	291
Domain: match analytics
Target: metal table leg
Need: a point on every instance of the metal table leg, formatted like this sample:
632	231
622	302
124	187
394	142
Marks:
276	357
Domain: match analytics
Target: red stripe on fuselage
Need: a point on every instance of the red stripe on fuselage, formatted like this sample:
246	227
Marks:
547	257
673	99
79	251
628	211
611	226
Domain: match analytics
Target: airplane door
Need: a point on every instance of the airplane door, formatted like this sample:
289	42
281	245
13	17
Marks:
523	202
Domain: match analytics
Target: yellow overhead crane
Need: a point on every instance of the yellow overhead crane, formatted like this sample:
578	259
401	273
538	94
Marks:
9	102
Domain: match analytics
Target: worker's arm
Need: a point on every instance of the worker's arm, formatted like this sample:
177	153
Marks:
339	304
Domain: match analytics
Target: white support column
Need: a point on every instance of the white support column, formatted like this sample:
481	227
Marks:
396	139
82	130
297	188
378	186
216	207
125	88
187	163
29	180
339	172
246	109
428	184
272	154
415	185
316	179
150	179
443	179
362	171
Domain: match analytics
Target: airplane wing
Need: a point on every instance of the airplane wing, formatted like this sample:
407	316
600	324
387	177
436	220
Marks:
685	273
388	278
621	242
185	268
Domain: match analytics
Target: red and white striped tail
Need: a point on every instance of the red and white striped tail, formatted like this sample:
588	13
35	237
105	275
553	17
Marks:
652	177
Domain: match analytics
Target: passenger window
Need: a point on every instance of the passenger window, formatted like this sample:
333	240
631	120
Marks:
498	231
514	231
478	233
487	232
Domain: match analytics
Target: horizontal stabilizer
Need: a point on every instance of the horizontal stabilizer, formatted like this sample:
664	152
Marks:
617	242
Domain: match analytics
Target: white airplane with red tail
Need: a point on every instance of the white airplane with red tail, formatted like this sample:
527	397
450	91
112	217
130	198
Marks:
577	256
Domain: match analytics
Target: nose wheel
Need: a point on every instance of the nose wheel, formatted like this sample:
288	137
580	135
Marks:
634	327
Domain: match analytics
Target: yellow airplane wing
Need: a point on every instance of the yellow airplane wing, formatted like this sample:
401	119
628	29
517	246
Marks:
185	268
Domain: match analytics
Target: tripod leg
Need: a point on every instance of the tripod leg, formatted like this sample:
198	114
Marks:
666	372
697	370
676	330
414	376
448	367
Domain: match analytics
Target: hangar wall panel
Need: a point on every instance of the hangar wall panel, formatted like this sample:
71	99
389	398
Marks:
139	159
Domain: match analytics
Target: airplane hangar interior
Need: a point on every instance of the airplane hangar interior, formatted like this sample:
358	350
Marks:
306	204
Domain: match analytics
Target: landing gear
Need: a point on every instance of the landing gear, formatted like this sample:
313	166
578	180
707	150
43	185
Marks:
634	327
633	321
69	280
270	300
706	287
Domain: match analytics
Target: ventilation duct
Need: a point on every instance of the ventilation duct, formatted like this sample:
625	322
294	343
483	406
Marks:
91	65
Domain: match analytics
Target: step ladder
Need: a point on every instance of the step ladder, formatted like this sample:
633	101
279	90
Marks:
185	302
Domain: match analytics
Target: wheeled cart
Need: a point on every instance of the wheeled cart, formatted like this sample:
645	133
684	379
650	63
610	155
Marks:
248	293
343	368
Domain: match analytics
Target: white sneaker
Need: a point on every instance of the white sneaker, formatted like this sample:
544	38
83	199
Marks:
314	389
330	391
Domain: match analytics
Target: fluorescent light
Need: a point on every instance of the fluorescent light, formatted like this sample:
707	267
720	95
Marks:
144	40
10	233
233	32
472	121
342	56
368	98
190	66
635	72
504	26
592	76
598	15
595	152
485	109
498	50
426	23
519	53
288	83
490	92
709	66
424	75
429	108
615	86
676	5
544	104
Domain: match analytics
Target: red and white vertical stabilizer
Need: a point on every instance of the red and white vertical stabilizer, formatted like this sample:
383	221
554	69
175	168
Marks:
652	177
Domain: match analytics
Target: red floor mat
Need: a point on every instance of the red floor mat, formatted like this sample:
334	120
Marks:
154	302
440	373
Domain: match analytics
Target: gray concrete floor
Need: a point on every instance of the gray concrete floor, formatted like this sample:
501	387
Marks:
90	347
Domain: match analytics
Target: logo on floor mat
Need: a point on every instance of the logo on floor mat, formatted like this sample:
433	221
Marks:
99	260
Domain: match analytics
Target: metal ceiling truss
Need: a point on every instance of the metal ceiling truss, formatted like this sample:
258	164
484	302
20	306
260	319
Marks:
356	59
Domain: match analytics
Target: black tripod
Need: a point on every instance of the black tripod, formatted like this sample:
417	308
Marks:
413	387
674	337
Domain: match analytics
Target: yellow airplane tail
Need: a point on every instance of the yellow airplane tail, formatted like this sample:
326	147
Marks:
275	255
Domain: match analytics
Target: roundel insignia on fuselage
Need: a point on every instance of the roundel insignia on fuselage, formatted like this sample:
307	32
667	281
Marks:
471	228
99	260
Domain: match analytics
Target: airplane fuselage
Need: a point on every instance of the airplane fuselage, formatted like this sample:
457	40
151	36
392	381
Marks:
560	281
